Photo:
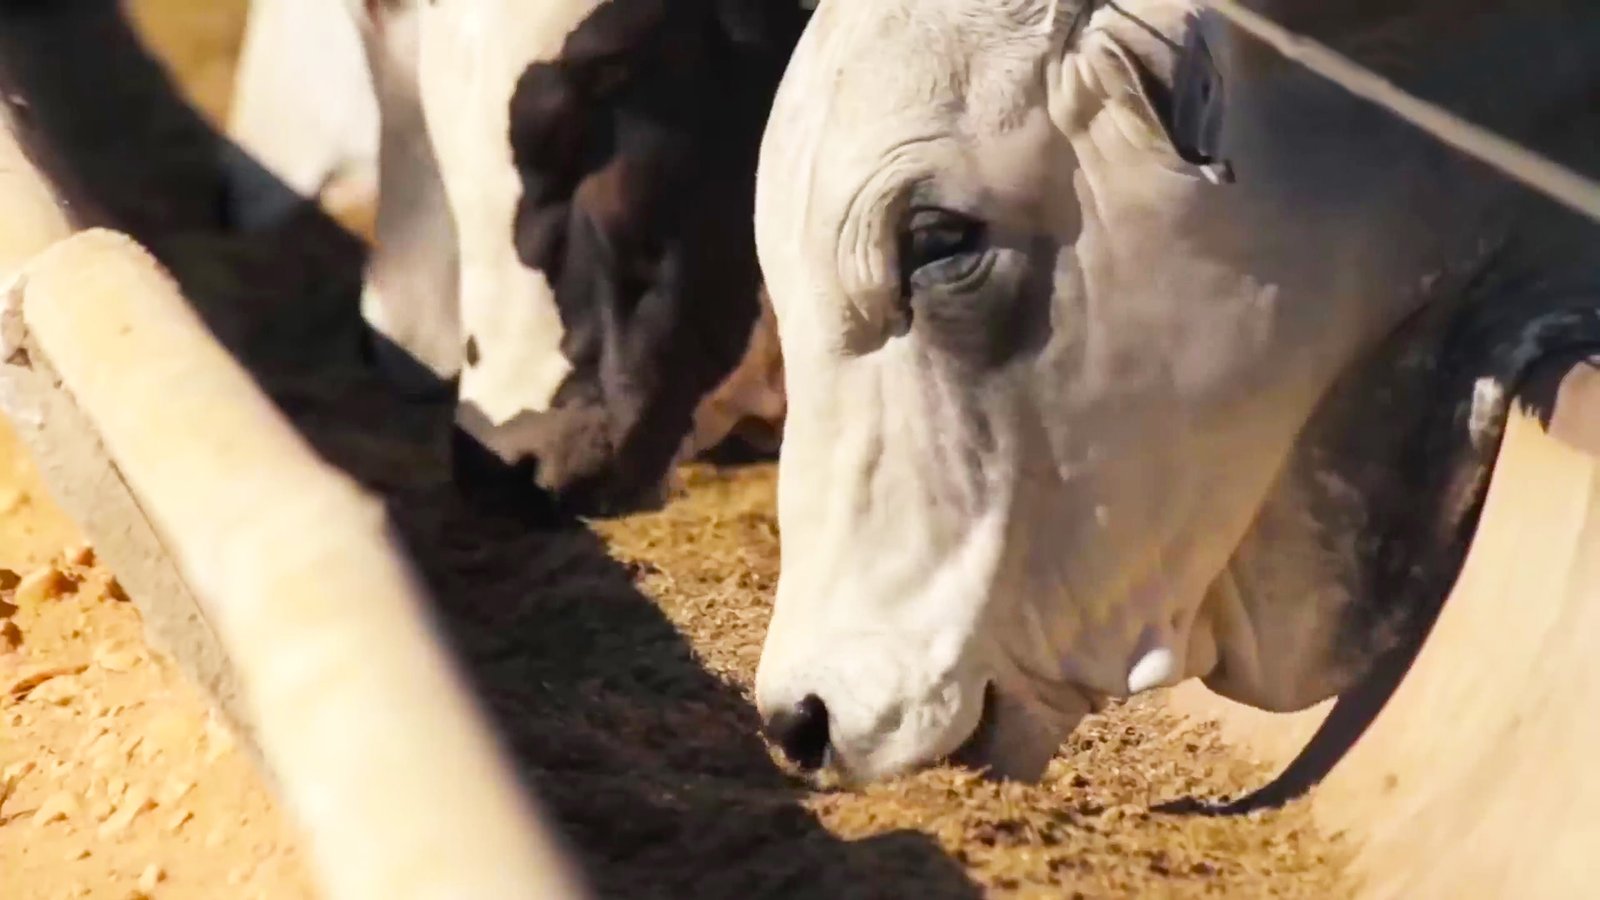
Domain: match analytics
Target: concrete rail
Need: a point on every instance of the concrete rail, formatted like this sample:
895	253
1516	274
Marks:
272	577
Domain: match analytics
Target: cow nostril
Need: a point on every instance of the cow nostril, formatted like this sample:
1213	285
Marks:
801	732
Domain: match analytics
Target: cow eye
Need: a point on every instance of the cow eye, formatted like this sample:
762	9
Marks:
941	247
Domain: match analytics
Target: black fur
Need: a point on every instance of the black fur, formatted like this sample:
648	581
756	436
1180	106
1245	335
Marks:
637	150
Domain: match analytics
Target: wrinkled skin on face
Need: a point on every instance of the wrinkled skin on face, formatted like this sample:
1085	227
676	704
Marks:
616	285
1118	352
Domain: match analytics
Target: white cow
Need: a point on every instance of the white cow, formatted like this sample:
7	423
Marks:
1121	351
565	190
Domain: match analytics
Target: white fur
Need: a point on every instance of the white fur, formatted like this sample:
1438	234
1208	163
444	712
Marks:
473	51
303	105
1488	400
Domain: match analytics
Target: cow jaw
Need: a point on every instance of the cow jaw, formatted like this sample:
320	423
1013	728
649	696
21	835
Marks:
883	618
939	542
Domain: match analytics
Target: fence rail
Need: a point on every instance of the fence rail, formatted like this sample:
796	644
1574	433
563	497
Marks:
1553	180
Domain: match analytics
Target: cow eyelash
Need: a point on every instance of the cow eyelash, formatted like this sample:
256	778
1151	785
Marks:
932	235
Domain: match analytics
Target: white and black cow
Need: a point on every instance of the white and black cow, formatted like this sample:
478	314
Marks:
564	226
1121	350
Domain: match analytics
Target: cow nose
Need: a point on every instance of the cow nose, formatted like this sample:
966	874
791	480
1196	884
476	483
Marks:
801	732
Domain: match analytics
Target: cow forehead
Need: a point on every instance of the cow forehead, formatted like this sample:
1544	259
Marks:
907	55
875	77
970	93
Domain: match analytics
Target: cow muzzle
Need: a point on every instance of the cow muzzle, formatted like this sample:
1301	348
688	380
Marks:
866	710
547	469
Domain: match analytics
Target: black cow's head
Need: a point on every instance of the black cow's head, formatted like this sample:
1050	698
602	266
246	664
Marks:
636	151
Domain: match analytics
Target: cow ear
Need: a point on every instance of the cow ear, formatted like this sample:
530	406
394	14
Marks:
1168	92
1197	107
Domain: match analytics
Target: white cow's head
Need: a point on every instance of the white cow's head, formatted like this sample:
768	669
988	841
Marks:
600	163
1069	300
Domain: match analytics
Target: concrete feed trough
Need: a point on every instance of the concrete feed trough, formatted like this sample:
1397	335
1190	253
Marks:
271	577
1477	777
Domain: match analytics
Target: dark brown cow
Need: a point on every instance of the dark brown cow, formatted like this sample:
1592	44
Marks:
565	227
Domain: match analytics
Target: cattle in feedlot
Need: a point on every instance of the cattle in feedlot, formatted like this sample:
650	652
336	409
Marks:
565	193
1122	351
